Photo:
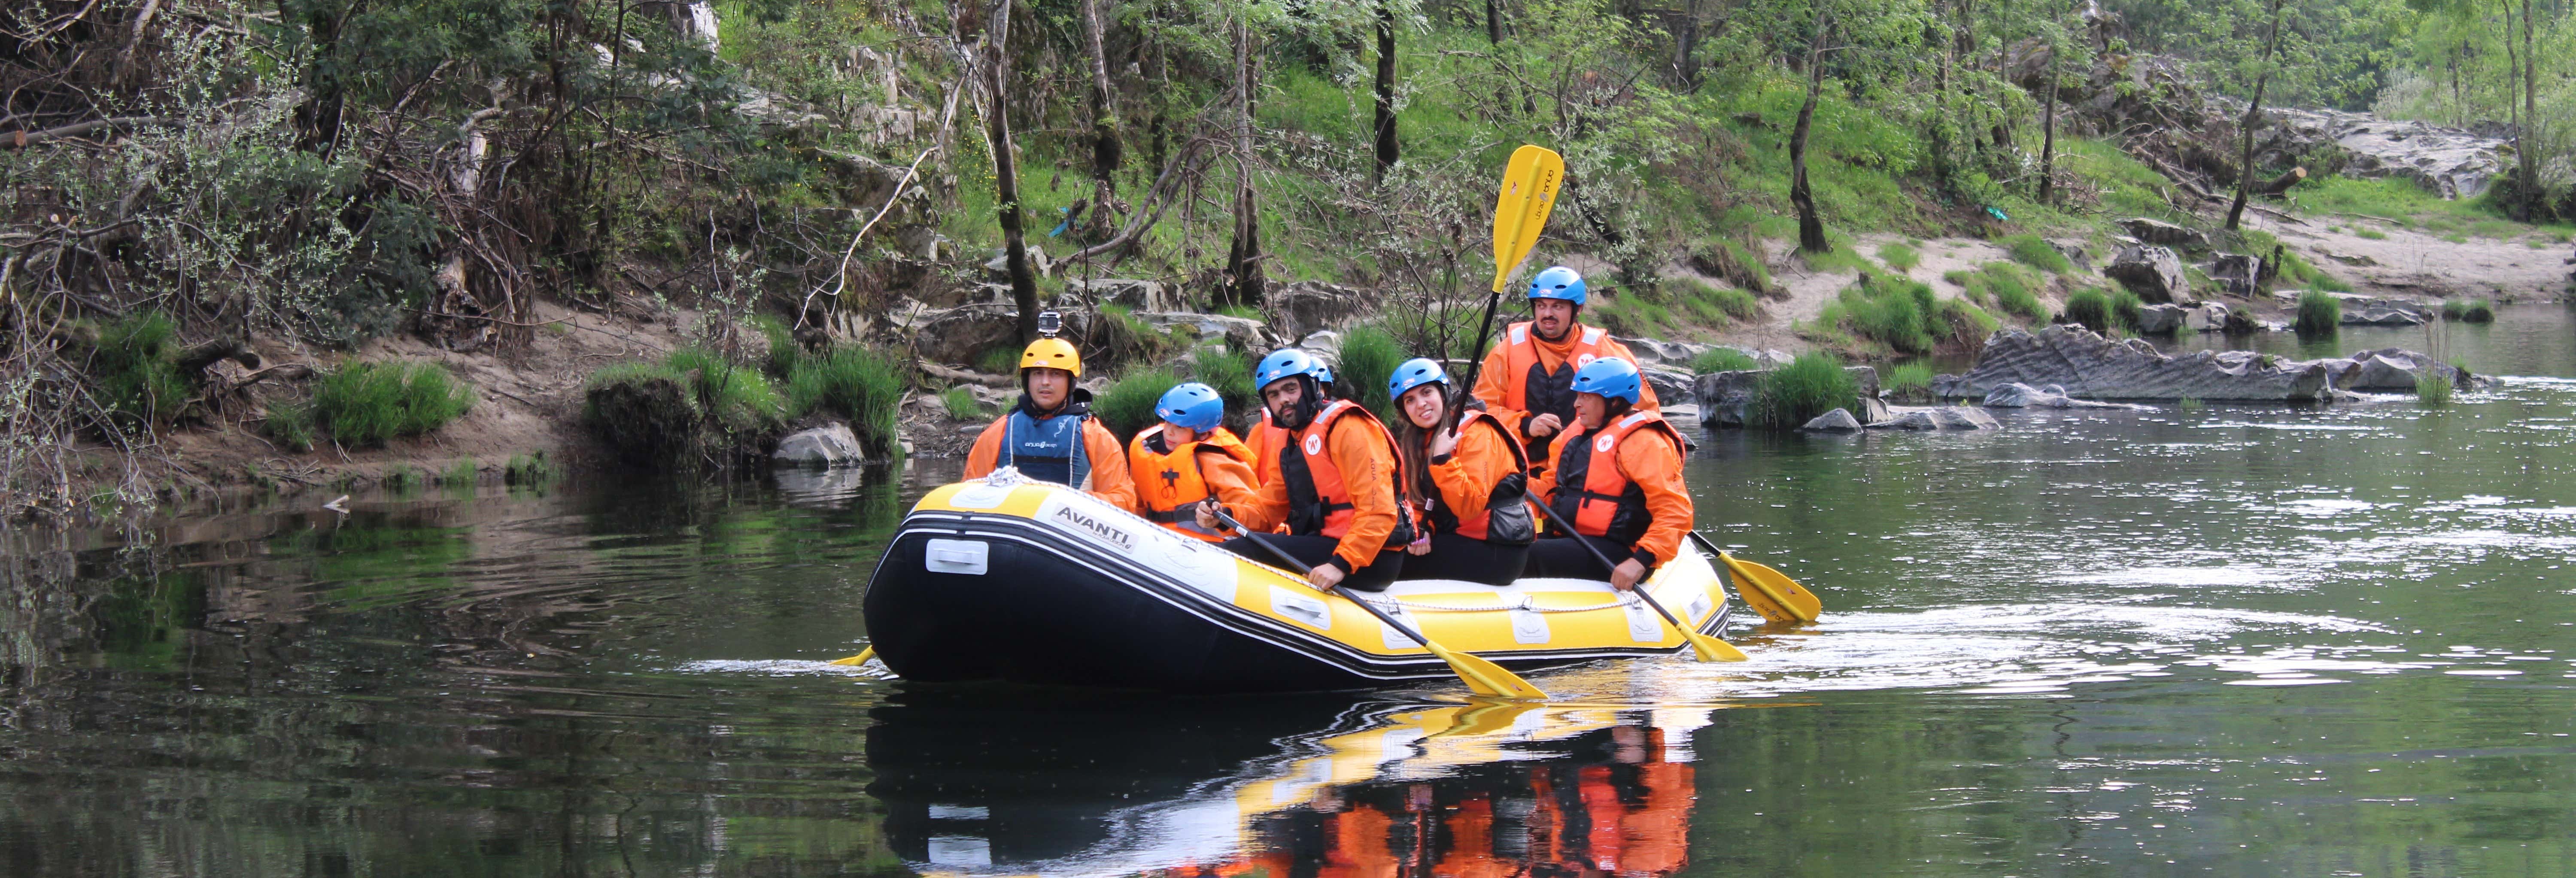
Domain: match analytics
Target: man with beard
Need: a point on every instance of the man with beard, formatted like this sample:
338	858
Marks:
1334	484
1527	381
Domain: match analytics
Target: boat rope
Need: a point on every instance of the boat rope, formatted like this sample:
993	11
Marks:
1522	604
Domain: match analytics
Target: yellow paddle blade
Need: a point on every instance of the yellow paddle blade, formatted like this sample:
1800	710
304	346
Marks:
860	659
1786	597
1484	677
1711	649
1529	189
1484	719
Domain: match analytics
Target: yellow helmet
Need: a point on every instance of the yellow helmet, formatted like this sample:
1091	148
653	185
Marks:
1051	353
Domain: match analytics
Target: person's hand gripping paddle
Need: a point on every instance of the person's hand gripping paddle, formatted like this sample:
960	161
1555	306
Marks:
1710	649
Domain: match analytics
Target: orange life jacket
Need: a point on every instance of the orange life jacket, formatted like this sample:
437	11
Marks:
1319	503
1167	483
1267	439
1439	518
1590	489
1529	387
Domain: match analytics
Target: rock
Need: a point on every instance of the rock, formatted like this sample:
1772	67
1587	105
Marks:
957	335
998	268
2160	319
2015	396
1301	308
2237	272
2152	272
2371	316
1657	352
2209	317
1325	344
1940	417
1141	295
1836	421
2159	232
1671	385
1240	333
2452	162
829	445
1725	397
1867	378
2074	252
2395	370
2088	365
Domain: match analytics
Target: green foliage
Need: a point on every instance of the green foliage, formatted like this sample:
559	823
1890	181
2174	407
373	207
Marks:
1628	313
2007	286
961	404
2089	309
2432	388
1707	305
1910	381
2468	310
2126	309
1230	372
691	406
365	404
2036	252
1792	395
135	365
1369	356
859	383
1127	405
999	360
1898	256
2319	313
2190	404
1722	360
529	469
1904	315
291	424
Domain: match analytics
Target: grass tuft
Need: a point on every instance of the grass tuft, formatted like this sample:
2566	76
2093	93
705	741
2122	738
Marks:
1127	405
363	405
2089	309
2319	313
858	383
2468	310
2432	388
1810	385
962	404
2033	251
1369	356
136	364
1899	256
1722	360
1910	381
2006	286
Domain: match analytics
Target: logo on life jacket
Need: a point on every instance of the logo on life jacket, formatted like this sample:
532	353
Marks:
1095	527
1602	445
1314	444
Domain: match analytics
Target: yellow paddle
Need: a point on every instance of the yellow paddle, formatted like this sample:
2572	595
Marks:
860	659
1529	189
1482	677
1709	649
1770	592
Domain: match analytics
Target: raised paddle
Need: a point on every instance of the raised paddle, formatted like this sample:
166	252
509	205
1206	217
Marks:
1772	593
1529	189
860	659
1482	677
1710	649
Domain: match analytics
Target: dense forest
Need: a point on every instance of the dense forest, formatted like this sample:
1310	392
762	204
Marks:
322	172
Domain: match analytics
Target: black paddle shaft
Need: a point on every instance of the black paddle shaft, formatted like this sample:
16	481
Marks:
1302	567
1475	364
1612	569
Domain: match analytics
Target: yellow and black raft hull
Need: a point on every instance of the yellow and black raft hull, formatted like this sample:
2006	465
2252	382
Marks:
1038	583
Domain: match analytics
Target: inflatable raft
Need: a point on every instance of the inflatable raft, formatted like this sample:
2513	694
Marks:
1032	582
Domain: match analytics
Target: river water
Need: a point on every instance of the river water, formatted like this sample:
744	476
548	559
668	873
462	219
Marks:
2248	640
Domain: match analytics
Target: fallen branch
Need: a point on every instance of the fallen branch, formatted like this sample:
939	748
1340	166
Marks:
21	139
936	370
841	276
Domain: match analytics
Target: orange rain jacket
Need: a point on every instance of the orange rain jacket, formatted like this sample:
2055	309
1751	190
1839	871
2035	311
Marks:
1501	388
1651	460
1109	480
1466	478
1360	451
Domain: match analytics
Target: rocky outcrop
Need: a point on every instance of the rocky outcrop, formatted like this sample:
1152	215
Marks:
957	335
2394	370
1725	398
2453	162
2017	396
1939	417
1672	386
2164	234
2152	272
2237	273
829	445
1141	295
1301	308
1239	333
1836	421
2085	364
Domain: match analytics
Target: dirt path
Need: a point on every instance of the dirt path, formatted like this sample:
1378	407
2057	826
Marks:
2406	262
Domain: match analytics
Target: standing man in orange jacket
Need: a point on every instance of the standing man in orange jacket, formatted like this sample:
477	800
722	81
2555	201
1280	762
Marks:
1526	381
1618	478
1050	435
1335	484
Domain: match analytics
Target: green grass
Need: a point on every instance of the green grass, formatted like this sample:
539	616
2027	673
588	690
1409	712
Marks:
691	405
2468	310
135	365
1127	405
463	472
2432	388
2037	253
291	424
2006	286
998	360
859	383
1709	305
1910	381
1845	256
2319	313
1369	356
1230	372
2126	310
363	405
529	469
1628	312
2368	233
2089	309
2190	404
1722	360
1899	256
961	404
1904	315
1810	385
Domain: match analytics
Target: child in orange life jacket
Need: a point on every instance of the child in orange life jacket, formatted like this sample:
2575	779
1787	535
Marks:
1526	381
1618	479
1334	484
1467	481
1188	458
1050	434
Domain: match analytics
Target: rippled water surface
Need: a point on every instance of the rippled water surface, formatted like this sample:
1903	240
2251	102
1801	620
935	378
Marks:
2242	640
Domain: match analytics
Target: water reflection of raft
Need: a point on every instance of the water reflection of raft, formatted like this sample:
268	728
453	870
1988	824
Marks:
1038	583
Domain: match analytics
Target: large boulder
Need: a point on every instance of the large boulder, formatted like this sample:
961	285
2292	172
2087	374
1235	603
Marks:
998	268
1301	308
1726	398
2370	315
2237	272
2395	370
2161	233
956	335
2152	272
2452	162
1140	295
2161	319
2016	396
1672	386
1239	333
829	445
2086	364
2209	317
1940	417
1836	421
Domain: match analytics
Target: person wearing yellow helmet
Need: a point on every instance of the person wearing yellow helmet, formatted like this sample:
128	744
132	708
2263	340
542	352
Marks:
1050	434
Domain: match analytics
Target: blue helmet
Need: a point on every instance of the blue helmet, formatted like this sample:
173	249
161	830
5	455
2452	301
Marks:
1609	378
1323	371
1558	282
1282	363
1414	373
1191	405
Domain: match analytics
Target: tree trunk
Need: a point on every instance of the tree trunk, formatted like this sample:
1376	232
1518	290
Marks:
1106	147
2253	115
2048	129
1811	228
1386	144
1006	175
1243	256
2532	202
1686	47
1494	22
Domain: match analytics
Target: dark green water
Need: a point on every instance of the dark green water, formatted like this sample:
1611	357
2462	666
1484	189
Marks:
2236	640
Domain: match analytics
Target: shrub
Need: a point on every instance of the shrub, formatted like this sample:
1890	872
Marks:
2432	388
1911	381
1369	356
2032	251
2319	313
2468	311
364	404
859	383
693	405
1898	312
2126	309
1810	385
1127	406
962	404
291	424
1230	372
1899	256
2089	309
136	365
1722	360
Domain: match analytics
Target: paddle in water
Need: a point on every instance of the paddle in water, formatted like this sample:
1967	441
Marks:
1481	676
860	659
1771	593
1710	649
